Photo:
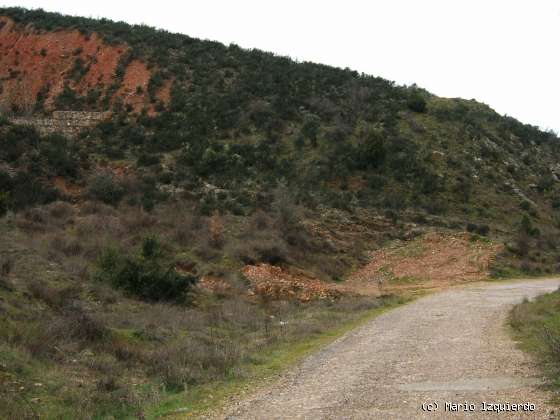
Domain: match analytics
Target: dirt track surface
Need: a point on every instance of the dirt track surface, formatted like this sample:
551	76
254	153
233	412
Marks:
452	346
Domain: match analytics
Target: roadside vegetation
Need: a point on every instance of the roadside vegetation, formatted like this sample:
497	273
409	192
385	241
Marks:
75	347
537	326
105	310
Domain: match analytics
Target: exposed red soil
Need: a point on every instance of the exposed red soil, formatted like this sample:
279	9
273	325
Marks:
135	85
34	62
71	190
214	285
121	171
434	260
164	93
270	282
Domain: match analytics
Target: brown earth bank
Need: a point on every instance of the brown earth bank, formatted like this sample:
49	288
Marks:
38	64
432	261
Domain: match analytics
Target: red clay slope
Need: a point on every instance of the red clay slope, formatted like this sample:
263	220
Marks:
33	62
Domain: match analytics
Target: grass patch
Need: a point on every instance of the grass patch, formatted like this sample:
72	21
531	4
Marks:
536	325
412	250
499	272
408	280
264	367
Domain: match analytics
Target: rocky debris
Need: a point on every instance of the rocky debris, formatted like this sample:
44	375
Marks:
214	285
270	282
520	194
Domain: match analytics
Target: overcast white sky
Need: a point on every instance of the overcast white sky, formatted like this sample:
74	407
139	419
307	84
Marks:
501	52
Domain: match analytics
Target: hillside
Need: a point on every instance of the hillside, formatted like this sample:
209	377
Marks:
150	183
245	120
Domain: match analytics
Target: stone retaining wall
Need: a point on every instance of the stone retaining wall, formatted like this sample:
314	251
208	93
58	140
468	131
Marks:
68	123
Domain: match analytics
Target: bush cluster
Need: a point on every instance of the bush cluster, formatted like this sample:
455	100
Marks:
146	275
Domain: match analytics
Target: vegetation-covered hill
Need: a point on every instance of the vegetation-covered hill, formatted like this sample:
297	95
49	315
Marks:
216	157
245	121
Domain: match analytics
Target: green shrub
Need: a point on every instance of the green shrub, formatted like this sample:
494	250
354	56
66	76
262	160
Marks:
145	275
104	188
69	100
60	155
417	103
483	230
16	141
28	190
4	199
525	205
146	159
310	128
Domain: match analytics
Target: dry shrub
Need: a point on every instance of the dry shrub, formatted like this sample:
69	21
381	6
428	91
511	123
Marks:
107	384
77	267
260	220
104	363
14	406
125	352
185	228
32	220
260	242
205	250
5	282
522	245
60	243
193	361
183	235
73	248
552	340
6	267
93	225
160	320
77	324
70	329
60	210
216	228
548	240
135	220
240	312
103	293
196	221
55	298
96	207
519	314
264	247
329	267
528	267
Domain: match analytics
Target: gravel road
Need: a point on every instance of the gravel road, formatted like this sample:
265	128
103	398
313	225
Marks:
452	346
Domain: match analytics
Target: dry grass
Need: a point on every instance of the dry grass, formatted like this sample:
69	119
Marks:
130	353
121	341
537	326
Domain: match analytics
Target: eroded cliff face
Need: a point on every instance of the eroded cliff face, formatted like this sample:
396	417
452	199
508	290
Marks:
35	67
